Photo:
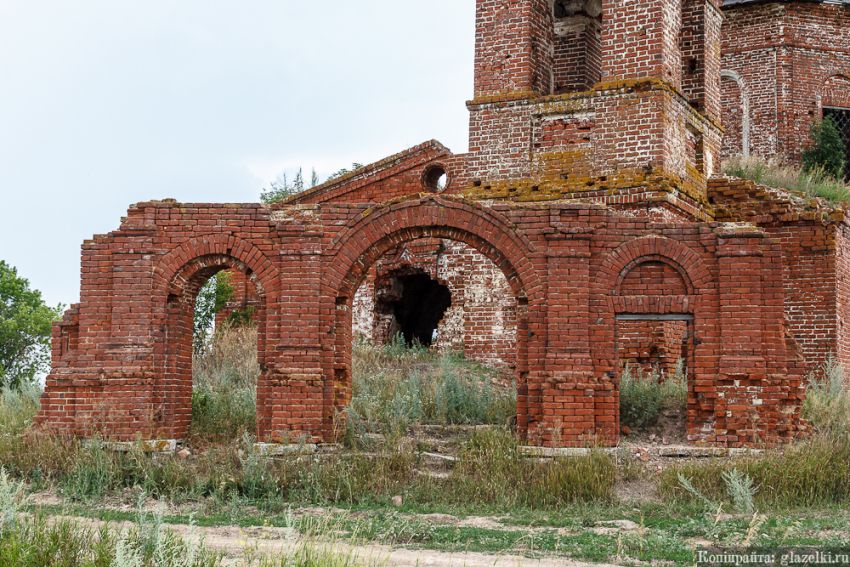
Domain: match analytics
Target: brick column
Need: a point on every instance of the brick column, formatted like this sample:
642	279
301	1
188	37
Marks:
575	408
291	393
742	372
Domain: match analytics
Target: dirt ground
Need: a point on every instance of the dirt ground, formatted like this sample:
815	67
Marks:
241	545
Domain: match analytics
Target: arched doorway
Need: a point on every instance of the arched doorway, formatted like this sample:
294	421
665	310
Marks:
656	293
736	115
180	277
363	244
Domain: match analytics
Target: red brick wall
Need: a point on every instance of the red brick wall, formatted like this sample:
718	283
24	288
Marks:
481	322
644	235
814	260
788	56
569	266
652	347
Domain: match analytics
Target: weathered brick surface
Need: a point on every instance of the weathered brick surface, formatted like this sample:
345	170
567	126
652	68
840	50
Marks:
787	60
571	269
594	130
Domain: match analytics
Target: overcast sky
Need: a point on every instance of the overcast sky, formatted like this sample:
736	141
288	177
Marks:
104	103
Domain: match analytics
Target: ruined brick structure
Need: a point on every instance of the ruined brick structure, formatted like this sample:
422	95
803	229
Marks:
784	65
585	229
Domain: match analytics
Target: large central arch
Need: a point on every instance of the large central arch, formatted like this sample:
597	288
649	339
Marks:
375	233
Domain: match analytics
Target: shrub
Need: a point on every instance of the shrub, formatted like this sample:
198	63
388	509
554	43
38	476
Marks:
18	407
741	491
11	496
644	396
827	404
827	153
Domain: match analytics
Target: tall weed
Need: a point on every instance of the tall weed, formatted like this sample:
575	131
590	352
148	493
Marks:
396	387
18	407
827	404
643	396
225	385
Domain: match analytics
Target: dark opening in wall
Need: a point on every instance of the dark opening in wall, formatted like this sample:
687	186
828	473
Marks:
417	303
435	178
577	53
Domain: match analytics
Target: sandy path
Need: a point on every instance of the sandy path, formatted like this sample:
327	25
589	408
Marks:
239	544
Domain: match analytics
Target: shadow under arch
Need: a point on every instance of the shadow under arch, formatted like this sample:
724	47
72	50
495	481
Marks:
366	240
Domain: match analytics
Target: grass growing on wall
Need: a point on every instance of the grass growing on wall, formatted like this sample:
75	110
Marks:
814	182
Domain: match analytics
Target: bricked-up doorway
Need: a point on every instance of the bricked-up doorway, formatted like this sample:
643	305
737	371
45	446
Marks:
174	394
841	117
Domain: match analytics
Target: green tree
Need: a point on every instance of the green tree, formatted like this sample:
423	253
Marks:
282	188
828	152
25	329
212	298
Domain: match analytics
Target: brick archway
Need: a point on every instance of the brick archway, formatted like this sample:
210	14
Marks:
178	278
373	235
669	283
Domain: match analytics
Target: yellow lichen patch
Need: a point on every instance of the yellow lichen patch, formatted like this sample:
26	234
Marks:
576	161
505	96
569	185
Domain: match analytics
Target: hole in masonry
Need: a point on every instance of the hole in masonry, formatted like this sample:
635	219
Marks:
435	179
417	303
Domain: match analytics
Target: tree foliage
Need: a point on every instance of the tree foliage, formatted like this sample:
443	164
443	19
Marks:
25	329
828	152
212	298
282	188
345	171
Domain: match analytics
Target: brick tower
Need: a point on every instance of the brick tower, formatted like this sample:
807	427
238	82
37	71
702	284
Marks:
575	100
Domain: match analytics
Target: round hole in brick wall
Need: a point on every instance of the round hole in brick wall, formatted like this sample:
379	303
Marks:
435	178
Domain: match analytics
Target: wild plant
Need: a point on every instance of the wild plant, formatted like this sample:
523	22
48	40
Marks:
741	490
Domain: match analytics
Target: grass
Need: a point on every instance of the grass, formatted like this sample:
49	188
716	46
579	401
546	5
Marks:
643	396
827	404
812	472
790	497
396	387
813	183
224	393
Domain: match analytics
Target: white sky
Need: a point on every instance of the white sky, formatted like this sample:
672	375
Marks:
104	103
